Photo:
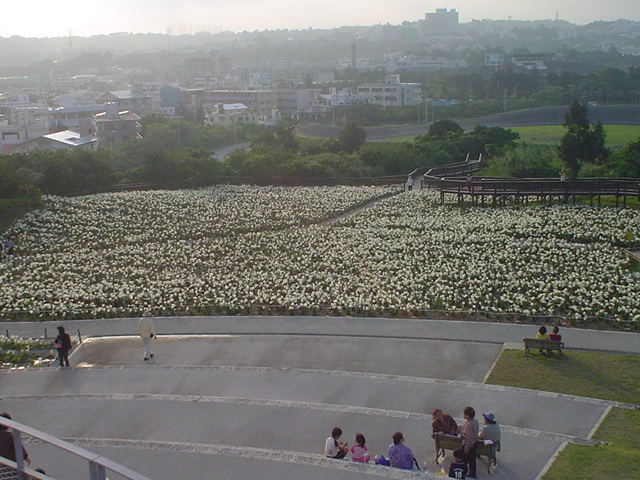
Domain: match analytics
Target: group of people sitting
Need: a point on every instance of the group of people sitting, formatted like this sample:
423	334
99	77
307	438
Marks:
401	456
464	464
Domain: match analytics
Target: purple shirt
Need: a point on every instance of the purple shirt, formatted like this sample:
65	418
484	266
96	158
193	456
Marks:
400	456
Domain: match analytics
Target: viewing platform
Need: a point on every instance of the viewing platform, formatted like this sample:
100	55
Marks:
521	191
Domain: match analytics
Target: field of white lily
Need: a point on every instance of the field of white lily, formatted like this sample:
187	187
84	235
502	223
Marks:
251	249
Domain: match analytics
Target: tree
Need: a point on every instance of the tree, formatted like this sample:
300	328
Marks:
442	128
583	143
627	160
352	137
282	135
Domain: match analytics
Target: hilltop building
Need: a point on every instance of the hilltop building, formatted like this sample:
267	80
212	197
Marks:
441	22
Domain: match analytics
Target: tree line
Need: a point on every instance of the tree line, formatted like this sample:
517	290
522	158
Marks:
180	152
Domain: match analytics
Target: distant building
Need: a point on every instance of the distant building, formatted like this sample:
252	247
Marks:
132	100
340	98
392	93
531	61
263	102
205	66
231	114
63	140
114	126
69	114
441	22
494	61
23	126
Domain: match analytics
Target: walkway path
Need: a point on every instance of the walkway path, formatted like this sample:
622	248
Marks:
493	333
255	397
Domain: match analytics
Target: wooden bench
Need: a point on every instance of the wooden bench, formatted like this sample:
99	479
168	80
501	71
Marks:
452	442
542	344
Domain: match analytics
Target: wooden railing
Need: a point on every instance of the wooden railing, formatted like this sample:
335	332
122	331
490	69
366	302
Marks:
543	189
450	169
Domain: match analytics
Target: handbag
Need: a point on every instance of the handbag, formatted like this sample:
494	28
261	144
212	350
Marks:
57	344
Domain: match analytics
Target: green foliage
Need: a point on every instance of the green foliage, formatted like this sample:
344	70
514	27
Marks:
524	161
282	135
352	137
16	352
583	143
442	128
313	145
389	158
626	161
450	144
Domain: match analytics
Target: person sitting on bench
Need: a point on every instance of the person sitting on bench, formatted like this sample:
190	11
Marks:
443	423
556	334
490	429
542	335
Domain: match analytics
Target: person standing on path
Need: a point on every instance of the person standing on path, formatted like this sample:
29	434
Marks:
147	332
469	433
63	344
409	183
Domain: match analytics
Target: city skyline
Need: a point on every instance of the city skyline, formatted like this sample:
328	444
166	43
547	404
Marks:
46	19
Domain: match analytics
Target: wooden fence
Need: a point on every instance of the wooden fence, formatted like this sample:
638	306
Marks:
542	190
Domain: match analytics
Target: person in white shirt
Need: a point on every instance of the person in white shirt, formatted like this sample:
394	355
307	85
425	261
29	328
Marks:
146	332
409	184
332	447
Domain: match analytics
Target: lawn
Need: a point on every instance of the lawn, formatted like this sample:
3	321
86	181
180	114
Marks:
618	458
596	375
617	135
599	375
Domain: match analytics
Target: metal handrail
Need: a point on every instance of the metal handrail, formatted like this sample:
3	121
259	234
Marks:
98	465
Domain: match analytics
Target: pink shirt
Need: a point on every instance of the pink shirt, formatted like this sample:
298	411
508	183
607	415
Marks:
359	453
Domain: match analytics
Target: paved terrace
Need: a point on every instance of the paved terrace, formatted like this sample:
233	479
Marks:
255	397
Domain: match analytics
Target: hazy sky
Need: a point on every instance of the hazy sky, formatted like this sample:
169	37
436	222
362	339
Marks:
46	18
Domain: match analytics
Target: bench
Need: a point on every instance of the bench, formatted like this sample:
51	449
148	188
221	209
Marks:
453	442
542	344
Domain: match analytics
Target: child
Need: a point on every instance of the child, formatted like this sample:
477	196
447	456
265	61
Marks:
332	447
359	450
458	468
556	334
542	335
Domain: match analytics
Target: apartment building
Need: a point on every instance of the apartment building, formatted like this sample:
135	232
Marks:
114	126
392	93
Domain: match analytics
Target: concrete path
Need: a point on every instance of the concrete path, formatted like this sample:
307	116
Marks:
464	331
258	397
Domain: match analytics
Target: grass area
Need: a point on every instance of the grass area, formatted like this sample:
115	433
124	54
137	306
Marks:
619	458
617	135
596	375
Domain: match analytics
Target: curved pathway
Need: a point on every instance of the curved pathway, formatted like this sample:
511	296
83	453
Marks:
255	397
